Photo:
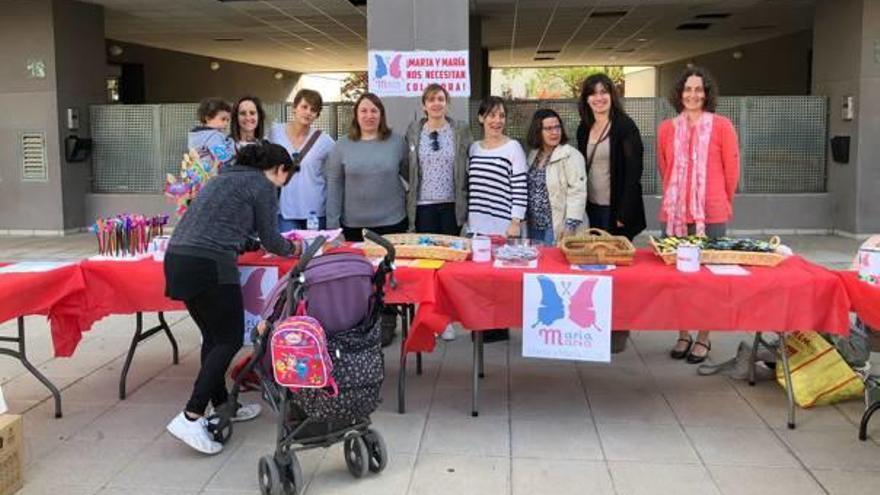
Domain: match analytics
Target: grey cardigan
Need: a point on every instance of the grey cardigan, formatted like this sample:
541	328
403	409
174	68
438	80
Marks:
459	178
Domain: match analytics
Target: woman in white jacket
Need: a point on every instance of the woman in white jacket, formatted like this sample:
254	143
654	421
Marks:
556	178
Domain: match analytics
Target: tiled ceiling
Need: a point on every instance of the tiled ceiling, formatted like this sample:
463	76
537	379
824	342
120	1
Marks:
331	35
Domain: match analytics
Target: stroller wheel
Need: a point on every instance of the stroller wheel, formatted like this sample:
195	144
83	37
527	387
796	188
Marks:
220	428
377	451
357	458
270	476
292	475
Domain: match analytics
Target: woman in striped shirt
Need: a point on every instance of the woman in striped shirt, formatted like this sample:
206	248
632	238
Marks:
497	190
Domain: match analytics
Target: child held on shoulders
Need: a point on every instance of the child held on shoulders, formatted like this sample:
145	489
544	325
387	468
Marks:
209	139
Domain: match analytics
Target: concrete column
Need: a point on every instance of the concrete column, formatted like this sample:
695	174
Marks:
846	62
417	25
57	63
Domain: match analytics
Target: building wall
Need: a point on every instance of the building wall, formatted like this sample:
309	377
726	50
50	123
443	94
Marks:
79	45
787	56
836	64
28	104
868	110
177	77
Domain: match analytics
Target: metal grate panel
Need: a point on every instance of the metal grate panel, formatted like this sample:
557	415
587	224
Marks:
125	151
782	138
32	151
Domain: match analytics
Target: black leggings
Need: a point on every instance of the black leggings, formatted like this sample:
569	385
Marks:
219	314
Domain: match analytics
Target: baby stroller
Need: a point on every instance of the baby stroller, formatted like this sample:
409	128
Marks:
345	294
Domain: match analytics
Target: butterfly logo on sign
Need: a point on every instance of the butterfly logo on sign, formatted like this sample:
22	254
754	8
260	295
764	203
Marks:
567	317
382	69
581	311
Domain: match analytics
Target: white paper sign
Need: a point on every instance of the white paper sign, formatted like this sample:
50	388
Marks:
394	73
256	285
567	317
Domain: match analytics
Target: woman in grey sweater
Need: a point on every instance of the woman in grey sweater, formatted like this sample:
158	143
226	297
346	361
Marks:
366	175
201	270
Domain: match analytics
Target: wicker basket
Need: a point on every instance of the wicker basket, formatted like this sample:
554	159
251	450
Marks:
407	246
714	257
597	247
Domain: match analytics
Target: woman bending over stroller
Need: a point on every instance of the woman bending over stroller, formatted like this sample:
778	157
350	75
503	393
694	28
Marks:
201	270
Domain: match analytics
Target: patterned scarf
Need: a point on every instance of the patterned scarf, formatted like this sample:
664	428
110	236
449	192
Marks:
676	203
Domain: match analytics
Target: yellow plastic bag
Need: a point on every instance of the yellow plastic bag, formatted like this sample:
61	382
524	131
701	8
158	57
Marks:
819	376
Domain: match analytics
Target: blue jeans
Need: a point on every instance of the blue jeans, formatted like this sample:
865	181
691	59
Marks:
287	224
542	235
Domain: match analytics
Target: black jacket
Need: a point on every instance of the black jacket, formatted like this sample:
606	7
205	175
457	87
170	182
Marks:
626	166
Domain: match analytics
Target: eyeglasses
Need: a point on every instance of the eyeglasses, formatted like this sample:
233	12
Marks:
435	142
552	128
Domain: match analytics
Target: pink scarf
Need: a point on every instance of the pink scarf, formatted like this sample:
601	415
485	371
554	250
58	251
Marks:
675	204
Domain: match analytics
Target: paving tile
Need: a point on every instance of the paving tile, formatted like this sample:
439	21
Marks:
333	477
86	463
548	403
240	470
458	402
749	480
443	474
740	446
631	407
840	482
169	463
639	478
644	442
696	409
560	477
482	436
555	439
833	448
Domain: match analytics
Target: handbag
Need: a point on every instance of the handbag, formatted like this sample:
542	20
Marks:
819	375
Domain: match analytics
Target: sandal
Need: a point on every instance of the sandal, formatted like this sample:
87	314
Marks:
693	358
676	354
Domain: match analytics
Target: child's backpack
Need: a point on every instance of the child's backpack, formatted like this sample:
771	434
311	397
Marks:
300	358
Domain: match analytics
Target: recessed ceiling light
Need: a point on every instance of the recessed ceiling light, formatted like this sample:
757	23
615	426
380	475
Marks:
308	48
641	40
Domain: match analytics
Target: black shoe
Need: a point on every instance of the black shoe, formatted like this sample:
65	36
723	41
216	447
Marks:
674	354
693	358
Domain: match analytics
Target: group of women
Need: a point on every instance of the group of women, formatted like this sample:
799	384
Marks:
436	179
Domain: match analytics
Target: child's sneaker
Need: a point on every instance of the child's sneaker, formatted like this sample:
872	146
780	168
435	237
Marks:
194	433
448	334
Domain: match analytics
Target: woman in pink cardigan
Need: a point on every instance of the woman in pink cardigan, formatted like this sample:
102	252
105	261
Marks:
698	160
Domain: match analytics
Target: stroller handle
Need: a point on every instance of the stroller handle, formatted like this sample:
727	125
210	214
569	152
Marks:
378	239
310	253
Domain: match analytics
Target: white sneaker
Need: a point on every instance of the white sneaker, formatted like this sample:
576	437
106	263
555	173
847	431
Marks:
449	334
194	433
245	412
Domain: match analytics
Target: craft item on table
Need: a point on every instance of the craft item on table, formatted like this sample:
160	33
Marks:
723	250
332	238
194	173
593	268
127	236
597	247
423	246
482	249
427	264
521	264
734	270
687	258
519	252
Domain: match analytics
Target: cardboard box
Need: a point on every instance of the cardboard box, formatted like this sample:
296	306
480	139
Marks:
11	454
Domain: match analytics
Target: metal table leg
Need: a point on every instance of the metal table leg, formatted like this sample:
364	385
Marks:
754	357
141	335
412	316
21	355
866	417
478	353
401	372
788	386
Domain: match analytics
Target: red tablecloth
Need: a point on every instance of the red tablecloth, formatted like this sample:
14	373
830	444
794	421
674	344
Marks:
60	294
123	287
796	295
865	297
